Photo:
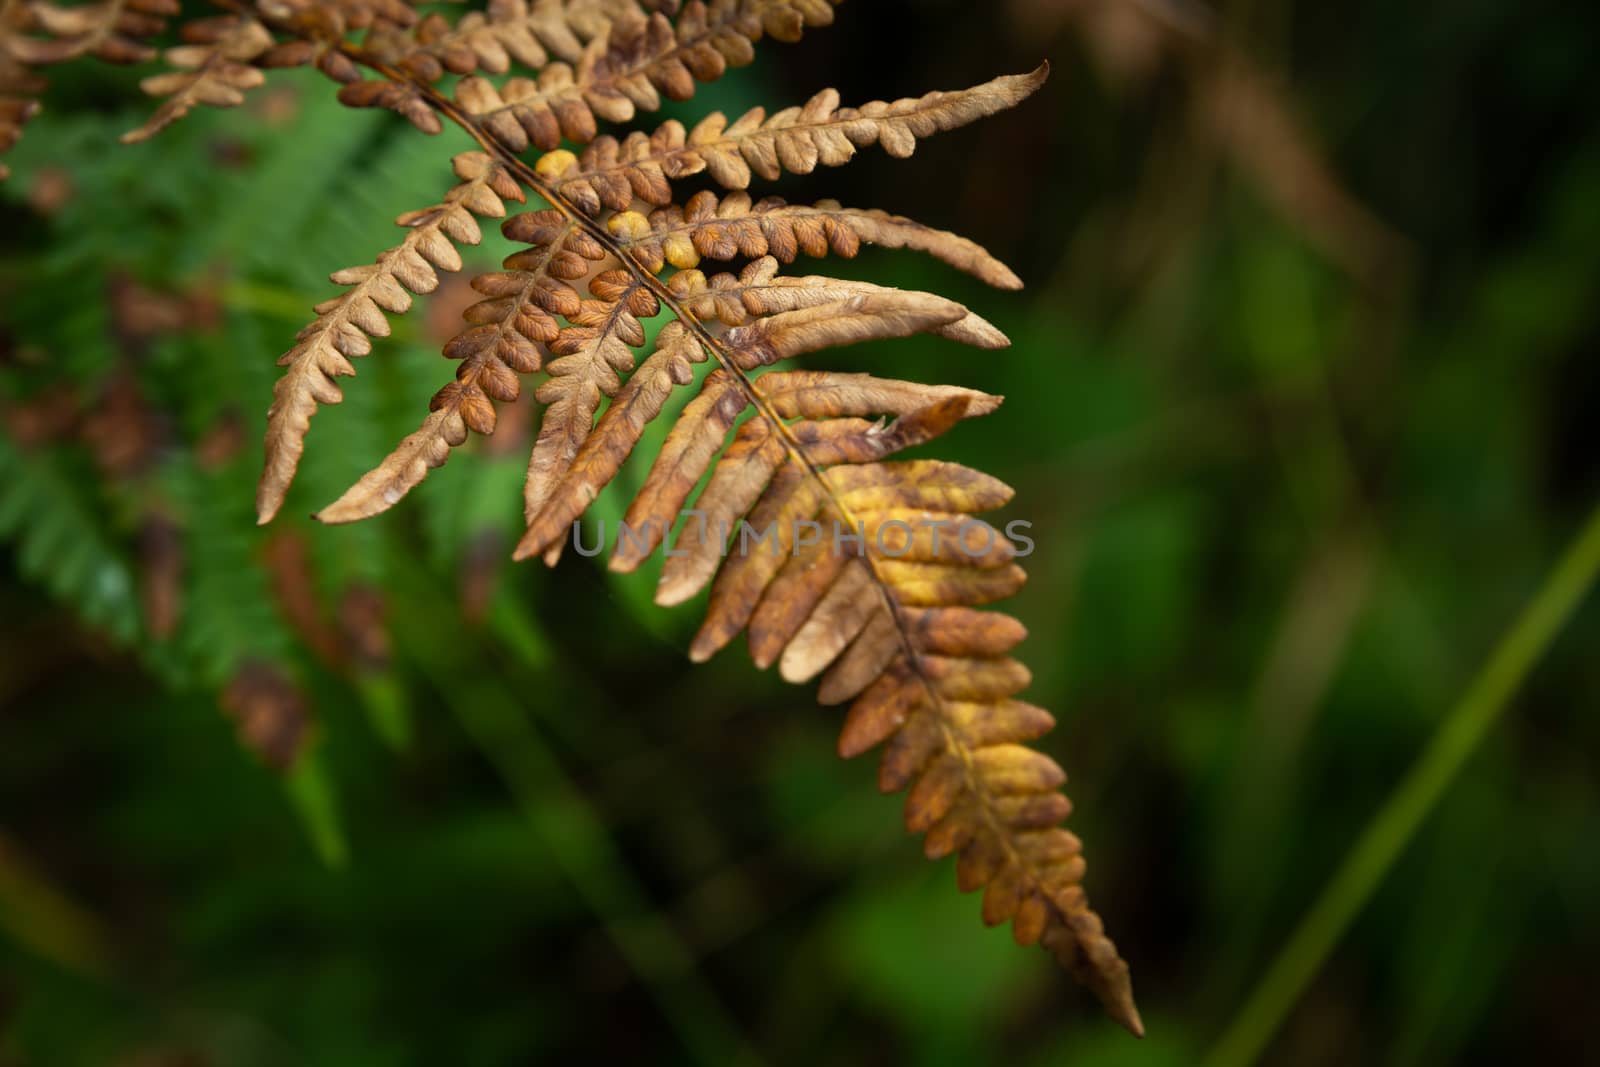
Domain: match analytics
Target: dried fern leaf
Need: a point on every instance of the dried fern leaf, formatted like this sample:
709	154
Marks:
213	69
860	317
695	438
369	15
344	324
601	453
592	356
115	31
735	226
319	30
895	632
885	615
558	495
612	173
39	34
629	68
403	98
814	394
506	32
759	289
508	337
934	683
891	626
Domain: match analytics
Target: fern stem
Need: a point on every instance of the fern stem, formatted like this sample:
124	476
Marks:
1397	822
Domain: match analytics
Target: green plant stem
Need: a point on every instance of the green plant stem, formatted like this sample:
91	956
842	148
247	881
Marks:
41	918
314	796
574	836
1396	823
576	839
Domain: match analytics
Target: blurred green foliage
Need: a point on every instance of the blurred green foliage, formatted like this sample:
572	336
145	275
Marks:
1288	482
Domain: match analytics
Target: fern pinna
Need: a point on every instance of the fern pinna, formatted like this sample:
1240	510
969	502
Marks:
849	578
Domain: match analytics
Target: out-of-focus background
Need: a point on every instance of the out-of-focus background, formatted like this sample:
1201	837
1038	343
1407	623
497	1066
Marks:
1299	405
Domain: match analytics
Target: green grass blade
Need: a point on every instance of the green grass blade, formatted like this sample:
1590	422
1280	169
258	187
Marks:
575	837
1396	823
42	919
387	707
311	791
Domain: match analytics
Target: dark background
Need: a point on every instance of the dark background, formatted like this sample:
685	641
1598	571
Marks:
1299	406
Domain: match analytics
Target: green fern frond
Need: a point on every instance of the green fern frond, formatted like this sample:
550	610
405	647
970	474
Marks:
59	540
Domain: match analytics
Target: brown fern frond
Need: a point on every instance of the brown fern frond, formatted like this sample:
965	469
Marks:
38	34
507	338
890	625
894	630
115	31
372	15
508	331
213	69
561	493
319	30
345	323
885	610
760	290
612	173
404	98
506	32
639	60
736	227
593	355
556	502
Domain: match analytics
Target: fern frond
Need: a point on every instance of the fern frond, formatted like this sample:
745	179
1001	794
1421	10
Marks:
610	173
38	34
760	290
404	98
891	627
593	355
319	31
734	226
887	313
115	31
631	67
505	32
320	27
213	69
505	340
370	15
345	323
61	543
